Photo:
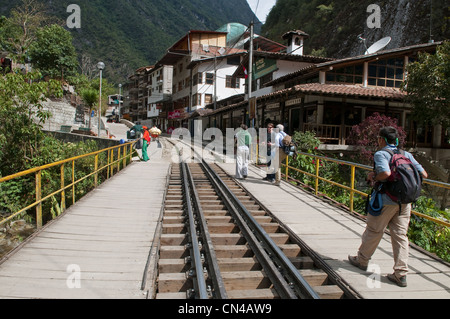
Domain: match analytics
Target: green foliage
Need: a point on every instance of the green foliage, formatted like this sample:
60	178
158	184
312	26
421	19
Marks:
19	193
53	52
127	35
431	236
90	97
21	100
428	86
424	233
306	142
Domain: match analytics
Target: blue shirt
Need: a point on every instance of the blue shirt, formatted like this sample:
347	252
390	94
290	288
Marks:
279	138
382	159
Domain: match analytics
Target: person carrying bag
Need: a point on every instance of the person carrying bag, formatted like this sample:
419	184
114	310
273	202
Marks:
385	209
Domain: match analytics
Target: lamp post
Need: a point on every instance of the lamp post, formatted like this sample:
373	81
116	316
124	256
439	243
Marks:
120	98
100	66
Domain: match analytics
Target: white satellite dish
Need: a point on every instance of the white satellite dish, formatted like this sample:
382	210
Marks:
377	46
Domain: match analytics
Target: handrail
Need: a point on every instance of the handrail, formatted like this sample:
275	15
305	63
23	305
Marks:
352	188
124	149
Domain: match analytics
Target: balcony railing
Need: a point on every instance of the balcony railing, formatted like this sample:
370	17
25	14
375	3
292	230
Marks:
330	134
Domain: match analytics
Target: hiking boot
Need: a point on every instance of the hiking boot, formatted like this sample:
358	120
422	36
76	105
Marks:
400	281
354	261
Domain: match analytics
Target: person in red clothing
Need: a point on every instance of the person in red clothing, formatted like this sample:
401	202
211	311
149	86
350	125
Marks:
146	138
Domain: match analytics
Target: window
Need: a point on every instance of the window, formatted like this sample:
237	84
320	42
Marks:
234	61
232	82
197	78
197	99
208	99
187	83
209	78
266	78
350	74
180	86
386	73
180	67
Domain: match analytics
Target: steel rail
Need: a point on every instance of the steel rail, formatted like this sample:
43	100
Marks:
280	284
349	291
301	286
214	271
201	291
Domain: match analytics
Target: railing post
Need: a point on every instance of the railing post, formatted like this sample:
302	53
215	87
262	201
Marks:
96	171
317	175
73	182
352	186
112	163
107	167
287	168
118	159
124	156
38	199
131	152
63	192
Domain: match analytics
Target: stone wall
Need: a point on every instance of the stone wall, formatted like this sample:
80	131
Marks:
76	138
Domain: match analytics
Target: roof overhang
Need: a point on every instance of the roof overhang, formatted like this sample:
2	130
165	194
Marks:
427	47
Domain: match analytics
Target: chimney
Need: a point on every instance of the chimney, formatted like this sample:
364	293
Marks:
295	40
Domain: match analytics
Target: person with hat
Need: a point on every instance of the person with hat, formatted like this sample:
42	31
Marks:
146	138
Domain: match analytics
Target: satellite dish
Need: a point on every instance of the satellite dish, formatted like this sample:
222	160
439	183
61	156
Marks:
377	46
222	51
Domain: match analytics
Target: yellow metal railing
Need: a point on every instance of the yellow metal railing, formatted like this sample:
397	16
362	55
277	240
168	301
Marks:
116	156
352	188
255	156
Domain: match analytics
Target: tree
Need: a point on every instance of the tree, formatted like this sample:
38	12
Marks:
22	114
90	97
364	135
428	87
53	52
20	28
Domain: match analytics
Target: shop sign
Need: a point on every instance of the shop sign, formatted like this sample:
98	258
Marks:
174	115
272	106
263	67
294	102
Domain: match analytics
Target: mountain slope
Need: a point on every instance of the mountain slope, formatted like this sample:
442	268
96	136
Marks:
334	26
127	34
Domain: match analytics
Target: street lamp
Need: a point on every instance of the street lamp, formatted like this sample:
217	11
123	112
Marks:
100	66
120	98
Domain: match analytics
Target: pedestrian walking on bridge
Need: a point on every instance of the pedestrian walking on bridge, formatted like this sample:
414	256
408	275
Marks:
394	214
146	138
243	141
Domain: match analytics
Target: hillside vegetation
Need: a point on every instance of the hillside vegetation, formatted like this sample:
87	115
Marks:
334	25
127	34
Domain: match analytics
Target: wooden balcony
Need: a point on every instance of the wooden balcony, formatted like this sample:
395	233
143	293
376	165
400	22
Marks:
329	134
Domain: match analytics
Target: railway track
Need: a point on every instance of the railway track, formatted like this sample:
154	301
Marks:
218	242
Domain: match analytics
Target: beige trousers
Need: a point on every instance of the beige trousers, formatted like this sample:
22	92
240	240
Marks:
281	157
398	226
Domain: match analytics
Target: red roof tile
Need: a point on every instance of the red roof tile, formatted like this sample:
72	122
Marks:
351	90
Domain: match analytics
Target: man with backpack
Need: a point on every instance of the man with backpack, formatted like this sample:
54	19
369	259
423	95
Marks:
401	176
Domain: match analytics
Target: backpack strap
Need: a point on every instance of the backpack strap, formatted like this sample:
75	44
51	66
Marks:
392	152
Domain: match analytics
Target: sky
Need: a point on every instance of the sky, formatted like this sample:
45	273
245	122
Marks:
263	8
